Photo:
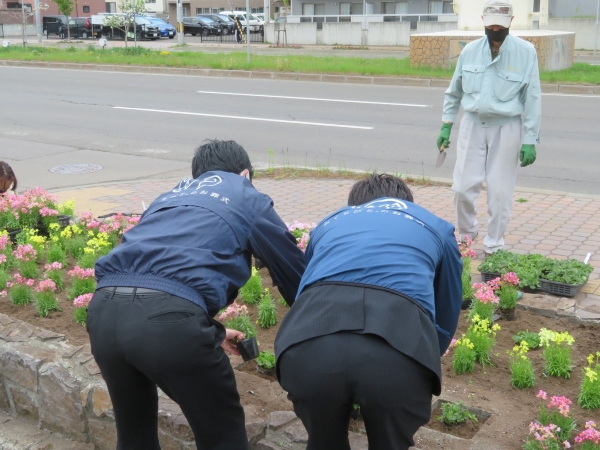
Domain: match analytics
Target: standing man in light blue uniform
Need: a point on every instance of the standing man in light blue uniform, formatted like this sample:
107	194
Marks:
497	82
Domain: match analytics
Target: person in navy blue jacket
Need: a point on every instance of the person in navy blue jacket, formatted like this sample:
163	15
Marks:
377	305
151	319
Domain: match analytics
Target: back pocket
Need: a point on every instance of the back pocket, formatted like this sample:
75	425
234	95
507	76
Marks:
171	316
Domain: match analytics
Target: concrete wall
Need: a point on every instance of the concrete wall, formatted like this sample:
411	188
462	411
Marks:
389	33
342	33
585	30
14	31
436	27
297	33
563	8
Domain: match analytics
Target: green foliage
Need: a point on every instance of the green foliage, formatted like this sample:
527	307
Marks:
521	368
455	413
532	339
464	357
45	302
566	424
28	269
252	291
467	285
508	295
74	246
80	315
87	260
242	323
57	277
65	6
483	310
522	200
56	253
568	271
483	338
4	277
558	361
267	312
589	395
20	294
81	286
266	360
282	302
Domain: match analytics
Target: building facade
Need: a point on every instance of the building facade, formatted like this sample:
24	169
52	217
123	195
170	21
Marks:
573	8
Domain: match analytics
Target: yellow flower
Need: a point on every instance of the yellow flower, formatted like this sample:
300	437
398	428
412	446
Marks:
590	359
591	374
54	226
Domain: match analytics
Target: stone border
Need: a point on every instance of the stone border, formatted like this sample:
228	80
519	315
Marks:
576	89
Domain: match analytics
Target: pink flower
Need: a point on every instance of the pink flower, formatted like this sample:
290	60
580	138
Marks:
560	403
511	278
45	212
566	444
25	252
2	258
484	293
3	242
542	394
78	272
3	293
83	300
494	284
53	266
234	310
589	434
46	286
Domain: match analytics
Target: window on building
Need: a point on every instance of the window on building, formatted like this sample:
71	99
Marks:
536	6
440	7
185	11
86	9
308	9
238	8
203	10
257	10
345	9
401	8
111	7
448	8
13	5
357	8
150	1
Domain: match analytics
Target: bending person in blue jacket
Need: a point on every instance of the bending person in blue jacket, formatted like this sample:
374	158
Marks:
377	306
151	319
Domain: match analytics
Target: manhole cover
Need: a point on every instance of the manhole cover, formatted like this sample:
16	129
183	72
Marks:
75	169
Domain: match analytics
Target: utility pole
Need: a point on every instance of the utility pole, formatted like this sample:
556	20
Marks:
179	22
248	27
597	22
24	24
38	21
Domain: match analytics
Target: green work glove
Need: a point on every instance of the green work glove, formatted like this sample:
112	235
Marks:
527	155
444	137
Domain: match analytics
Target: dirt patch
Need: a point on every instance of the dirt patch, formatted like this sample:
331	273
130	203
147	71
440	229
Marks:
487	388
464	430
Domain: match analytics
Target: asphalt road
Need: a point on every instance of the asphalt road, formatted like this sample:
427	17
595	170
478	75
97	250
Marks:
138	125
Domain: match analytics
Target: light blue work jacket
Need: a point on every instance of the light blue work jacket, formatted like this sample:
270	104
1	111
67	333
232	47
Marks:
497	92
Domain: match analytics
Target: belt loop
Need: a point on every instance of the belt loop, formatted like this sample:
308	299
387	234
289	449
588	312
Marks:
112	294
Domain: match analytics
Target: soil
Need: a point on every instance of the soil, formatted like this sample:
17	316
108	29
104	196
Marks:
487	388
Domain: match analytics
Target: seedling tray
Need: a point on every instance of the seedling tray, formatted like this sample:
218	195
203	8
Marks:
489	276
563	289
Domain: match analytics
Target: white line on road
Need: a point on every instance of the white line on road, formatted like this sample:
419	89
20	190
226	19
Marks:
315	99
573	95
294	122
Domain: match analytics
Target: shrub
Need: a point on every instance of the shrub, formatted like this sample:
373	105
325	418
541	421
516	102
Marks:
267	312
557	412
251	292
483	338
56	253
464	356
81	304
532	339
557	352
521	368
589	394
20	294
54	273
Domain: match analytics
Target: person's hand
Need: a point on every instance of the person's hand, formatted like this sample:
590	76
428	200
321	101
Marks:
444	137
231	338
527	155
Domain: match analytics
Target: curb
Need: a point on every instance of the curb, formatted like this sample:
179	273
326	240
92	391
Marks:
293	76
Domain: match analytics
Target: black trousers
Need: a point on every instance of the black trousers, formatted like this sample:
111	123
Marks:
144	341
326	375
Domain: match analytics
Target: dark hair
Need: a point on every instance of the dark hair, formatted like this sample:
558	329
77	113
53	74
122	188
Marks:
7	178
227	156
377	186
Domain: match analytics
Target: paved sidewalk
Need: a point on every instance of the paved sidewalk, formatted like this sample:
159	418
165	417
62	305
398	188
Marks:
559	226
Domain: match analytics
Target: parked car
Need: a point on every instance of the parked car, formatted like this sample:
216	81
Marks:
200	25
52	24
79	28
143	28
260	16
227	24
255	25
165	29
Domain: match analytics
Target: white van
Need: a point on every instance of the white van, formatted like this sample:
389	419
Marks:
255	24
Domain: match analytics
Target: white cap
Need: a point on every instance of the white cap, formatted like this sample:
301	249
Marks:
497	12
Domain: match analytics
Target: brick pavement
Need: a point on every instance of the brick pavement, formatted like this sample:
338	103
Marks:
555	225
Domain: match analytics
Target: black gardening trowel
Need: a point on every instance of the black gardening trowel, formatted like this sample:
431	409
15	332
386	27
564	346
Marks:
441	157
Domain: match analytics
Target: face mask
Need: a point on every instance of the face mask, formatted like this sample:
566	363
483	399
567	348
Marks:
496	36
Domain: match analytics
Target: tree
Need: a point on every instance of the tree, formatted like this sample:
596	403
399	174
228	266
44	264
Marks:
129	8
22	15
65	7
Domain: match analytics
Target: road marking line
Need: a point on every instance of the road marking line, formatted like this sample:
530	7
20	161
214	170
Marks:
315	99
573	95
294	122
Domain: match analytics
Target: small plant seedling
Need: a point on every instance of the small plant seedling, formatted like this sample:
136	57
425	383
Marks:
522	200
455	413
532	339
266	359
252	291
267	313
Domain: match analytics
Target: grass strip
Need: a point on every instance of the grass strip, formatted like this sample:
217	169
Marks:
580	73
